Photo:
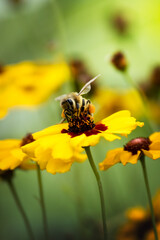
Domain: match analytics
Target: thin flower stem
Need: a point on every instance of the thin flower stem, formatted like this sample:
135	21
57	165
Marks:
60	23
90	158
149	194
45	225
19	205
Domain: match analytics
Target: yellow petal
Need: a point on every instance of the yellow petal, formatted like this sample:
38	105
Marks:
111	159
91	140
29	149
119	114
65	153
9	163
3	112
121	123
77	142
55	129
155	137
153	154
109	136
9	144
155	145
58	166
127	157
11	156
17	153
78	157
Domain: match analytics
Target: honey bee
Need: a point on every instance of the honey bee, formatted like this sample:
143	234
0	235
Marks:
74	105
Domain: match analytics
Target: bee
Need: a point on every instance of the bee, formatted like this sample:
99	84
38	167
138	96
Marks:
74	105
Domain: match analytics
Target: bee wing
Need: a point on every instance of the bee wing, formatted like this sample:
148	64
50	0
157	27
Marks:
60	97
87	86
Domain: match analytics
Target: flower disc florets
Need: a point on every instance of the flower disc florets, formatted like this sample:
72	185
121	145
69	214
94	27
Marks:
137	144
81	122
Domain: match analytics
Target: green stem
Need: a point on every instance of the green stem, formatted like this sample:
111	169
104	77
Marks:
149	194
19	205
90	158
42	203
60	23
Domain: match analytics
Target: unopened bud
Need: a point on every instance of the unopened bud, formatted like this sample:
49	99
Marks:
119	61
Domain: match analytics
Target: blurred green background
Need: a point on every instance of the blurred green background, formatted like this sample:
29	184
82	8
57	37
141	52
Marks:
47	30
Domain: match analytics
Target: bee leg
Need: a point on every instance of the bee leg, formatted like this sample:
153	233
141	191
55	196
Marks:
62	120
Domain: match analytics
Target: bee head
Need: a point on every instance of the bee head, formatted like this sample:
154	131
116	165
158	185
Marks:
67	103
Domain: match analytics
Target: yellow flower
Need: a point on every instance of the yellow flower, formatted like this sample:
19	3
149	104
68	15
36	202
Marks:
27	84
132	150
154	107
111	101
56	148
136	214
11	155
139	223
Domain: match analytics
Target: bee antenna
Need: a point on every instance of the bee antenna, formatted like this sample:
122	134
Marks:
88	83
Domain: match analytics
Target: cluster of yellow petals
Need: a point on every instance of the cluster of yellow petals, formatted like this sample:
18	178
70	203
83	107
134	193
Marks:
155	110
27	84
119	155
11	156
137	220
55	151
118	100
136	214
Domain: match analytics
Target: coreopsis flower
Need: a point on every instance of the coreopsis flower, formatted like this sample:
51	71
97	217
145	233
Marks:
27	84
11	155
139	223
132	151
154	107
56	148
110	101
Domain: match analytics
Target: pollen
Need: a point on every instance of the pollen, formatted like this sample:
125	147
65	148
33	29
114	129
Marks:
81	122
63	115
91	108
137	144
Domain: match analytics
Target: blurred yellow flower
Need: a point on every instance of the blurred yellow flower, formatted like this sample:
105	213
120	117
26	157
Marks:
11	156
132	150
136	214
111	101
155	111
139	224
27	84
56	148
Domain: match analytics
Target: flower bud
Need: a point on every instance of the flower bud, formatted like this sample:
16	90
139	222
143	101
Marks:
119	61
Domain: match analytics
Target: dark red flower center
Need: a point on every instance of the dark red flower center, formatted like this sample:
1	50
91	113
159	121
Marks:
137	144
27	139
98	128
